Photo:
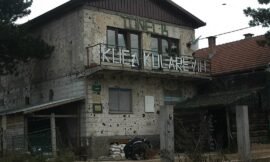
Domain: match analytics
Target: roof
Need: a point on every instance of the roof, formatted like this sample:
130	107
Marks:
44	106
217	99
237	56
109	5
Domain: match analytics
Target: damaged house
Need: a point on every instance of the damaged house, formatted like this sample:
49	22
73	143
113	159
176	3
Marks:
234	105
114	65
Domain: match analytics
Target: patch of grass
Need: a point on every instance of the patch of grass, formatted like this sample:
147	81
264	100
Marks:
17	157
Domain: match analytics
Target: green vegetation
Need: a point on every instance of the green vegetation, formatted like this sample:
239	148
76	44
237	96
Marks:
260	16
17	157
17	45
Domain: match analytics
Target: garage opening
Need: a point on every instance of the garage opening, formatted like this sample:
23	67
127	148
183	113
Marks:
55	129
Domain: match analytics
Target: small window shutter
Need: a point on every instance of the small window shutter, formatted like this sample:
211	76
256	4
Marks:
125	100
113	99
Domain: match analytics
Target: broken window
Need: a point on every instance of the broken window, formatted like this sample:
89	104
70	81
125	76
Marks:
120	100
165	46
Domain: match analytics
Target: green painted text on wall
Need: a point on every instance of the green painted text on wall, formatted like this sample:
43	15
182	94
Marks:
145	25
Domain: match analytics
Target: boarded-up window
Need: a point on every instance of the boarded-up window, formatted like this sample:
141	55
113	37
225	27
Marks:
120	100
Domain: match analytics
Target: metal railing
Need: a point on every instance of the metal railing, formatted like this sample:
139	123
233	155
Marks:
141	59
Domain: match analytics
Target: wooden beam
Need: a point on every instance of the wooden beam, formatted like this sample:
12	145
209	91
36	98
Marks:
56	116
228	126
53	135
25	133
243	139
4	128
166	134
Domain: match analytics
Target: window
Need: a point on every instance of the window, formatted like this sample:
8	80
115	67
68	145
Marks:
165	46
120	100
124	39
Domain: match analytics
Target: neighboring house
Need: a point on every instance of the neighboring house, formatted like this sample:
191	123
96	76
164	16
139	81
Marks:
240	77
115	64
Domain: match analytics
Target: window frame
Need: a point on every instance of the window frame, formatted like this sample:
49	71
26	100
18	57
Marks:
118	98
169	40
127	34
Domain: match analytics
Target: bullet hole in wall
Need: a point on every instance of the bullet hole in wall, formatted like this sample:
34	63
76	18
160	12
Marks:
51	95
143	115
103	124
158	112
117	125
27	100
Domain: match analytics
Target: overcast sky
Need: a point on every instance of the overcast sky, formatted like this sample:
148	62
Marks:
221	16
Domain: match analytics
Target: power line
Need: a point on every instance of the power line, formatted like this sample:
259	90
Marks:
229	32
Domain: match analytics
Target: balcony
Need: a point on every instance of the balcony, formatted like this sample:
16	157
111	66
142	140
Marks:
119	58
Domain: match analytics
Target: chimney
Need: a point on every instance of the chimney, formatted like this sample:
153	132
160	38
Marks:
248	35
212	46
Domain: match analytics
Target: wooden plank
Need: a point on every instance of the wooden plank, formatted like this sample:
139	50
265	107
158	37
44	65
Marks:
166	134
243	139
53	135
4	128
56	116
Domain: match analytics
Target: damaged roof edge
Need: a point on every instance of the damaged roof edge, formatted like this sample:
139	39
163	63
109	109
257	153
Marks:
196	19
73	4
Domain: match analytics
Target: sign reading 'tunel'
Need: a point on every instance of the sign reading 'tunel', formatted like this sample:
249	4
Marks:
145	25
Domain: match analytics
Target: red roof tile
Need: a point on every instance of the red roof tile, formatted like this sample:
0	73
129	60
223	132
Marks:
237	56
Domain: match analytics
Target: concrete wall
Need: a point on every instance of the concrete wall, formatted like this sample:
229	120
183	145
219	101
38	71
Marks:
101	129
97	21
70	34
136	123
58	73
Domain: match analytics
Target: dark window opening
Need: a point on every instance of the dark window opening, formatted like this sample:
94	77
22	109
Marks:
27	100
120	100
124	39
165	46
51	95
2	103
